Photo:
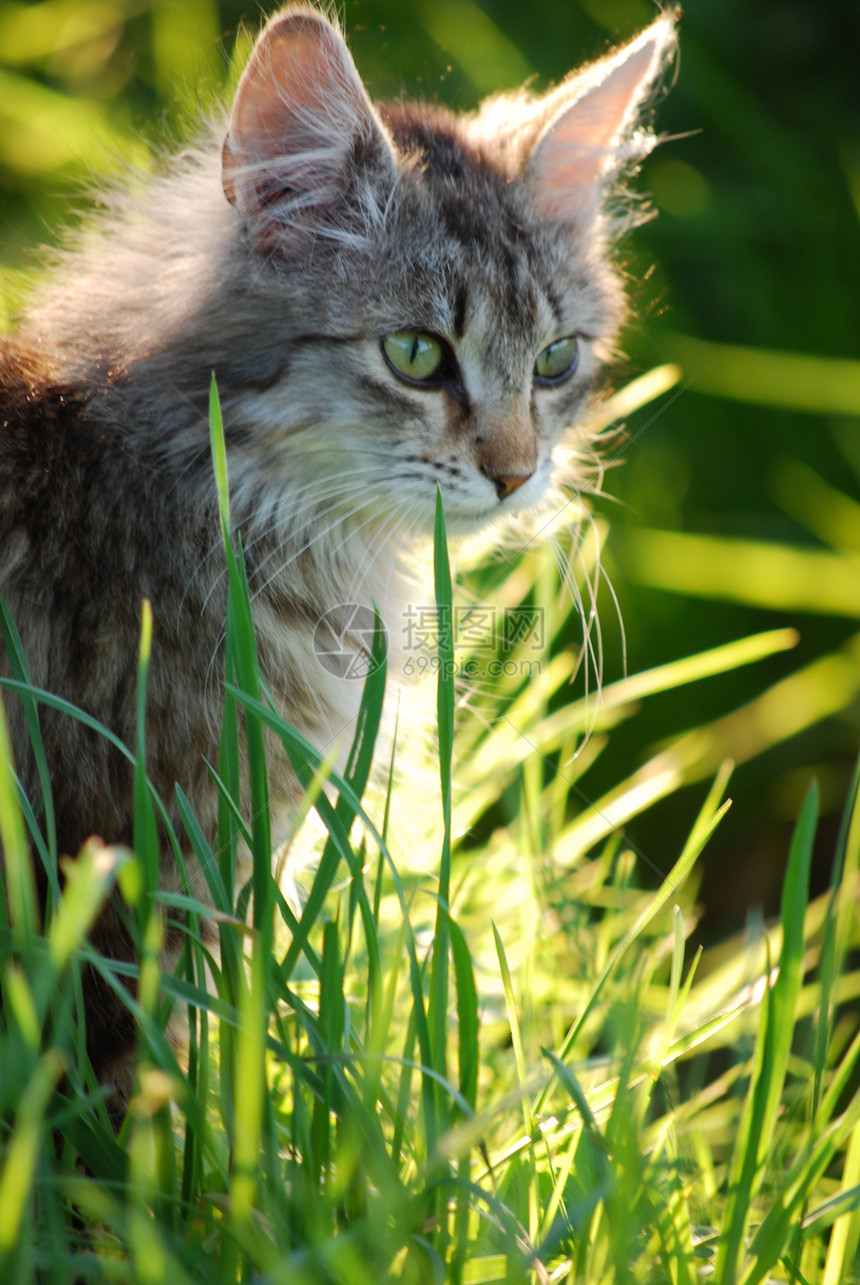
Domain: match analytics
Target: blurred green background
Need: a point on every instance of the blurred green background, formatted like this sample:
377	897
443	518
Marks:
739	494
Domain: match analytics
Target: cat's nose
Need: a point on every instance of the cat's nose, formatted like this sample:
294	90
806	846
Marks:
506	485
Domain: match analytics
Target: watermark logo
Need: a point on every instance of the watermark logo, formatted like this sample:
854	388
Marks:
489	642
343	641
475	628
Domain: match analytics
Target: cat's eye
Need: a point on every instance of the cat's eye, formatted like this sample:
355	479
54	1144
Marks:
557	361
415	357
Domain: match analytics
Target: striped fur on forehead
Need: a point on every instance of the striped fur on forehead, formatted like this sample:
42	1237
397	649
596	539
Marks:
476	217
474	200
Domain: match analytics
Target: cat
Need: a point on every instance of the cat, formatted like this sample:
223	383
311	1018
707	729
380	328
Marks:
392	299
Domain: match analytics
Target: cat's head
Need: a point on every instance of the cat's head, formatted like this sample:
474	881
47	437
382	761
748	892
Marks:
446	284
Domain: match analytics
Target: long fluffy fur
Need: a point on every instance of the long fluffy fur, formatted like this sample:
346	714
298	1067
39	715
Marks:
332	224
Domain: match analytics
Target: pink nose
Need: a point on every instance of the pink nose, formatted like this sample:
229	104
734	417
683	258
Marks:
506	486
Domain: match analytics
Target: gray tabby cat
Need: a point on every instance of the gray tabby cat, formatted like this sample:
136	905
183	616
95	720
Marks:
392	299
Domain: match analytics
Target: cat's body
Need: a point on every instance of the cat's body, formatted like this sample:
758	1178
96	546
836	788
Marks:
390	298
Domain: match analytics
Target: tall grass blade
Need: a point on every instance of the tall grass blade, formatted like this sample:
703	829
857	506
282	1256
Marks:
243	666
705	824
770	1064
20	671
19	1167
146	845
20	884
438	999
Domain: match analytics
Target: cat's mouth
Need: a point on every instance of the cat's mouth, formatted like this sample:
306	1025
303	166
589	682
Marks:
506	484
514	493
521	490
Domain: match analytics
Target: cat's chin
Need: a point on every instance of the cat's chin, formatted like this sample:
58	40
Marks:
471	516
463	524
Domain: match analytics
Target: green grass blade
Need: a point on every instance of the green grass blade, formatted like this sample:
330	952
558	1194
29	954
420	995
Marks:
20	885
705	824
844	1244
837	931
242	658
306	763
516	1035
468	1023
445	680
776	1236
758	572
797	381
468	1026
146	845
20	671
770	1065
370	712
251	1085
19	1165
438	999
331	1007
89	879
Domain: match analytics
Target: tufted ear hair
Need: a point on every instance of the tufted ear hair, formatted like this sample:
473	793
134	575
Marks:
590	125
301	129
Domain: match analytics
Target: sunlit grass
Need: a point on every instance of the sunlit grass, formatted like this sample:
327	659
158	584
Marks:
44	130
454	1060
777	576
502	1060
795	381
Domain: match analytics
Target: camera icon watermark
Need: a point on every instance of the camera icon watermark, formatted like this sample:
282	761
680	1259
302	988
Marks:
343	641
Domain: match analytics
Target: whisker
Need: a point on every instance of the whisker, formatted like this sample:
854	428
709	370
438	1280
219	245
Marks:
382	544
285	521
279	522
341	520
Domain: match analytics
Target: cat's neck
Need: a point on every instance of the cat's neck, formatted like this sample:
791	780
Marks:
321	554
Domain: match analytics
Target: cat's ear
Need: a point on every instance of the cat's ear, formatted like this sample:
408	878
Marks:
301	119
591	125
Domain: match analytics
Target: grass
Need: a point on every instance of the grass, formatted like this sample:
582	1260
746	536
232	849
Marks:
483	1044
478	1049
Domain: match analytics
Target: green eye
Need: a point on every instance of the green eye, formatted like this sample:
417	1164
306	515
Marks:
412	355
557	360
